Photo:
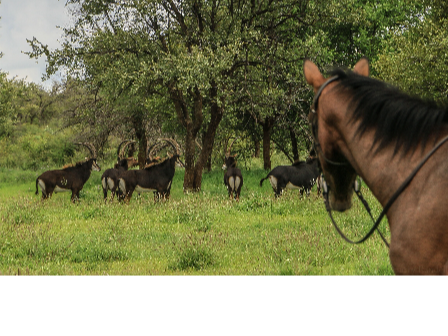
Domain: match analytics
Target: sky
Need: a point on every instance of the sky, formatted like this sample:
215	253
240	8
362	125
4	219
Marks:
25	19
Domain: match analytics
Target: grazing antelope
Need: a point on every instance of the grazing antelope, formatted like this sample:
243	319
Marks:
156	177
233	179
300	175
70	178
109	179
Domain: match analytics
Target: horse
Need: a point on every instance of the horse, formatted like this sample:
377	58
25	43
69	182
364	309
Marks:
398	145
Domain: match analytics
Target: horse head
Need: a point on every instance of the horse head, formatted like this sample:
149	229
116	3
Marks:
325	117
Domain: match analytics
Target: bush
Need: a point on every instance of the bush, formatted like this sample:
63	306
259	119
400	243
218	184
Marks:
35	148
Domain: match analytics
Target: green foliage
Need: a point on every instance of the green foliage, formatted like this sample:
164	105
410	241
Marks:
417	59
8	94
359	28
147	66
34	147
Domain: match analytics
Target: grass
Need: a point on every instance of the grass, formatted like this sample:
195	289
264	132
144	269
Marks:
191	234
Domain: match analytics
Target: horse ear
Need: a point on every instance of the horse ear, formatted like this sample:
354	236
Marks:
362	67
312	74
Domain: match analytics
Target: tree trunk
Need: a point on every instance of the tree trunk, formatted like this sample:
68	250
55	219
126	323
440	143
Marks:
140	133
209	162
208	165
267	127
216	113
257	147
190	147
131	150
295	149
192	124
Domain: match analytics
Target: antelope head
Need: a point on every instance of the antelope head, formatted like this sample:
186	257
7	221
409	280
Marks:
229	160
121	153
93	155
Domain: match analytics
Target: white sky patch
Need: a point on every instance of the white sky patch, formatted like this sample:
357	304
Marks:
25	19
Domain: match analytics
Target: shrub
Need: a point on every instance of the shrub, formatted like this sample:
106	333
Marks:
36	148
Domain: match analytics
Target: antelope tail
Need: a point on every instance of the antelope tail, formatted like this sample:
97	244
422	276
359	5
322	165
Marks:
37	189
261	181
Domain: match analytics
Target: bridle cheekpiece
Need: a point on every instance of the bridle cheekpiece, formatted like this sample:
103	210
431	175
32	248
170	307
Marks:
356	185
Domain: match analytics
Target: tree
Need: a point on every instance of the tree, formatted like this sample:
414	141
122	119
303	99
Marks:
416	58
8	92
199	60
358	28
192	52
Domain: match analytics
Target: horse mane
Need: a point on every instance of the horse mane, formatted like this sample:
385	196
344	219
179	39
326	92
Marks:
397	117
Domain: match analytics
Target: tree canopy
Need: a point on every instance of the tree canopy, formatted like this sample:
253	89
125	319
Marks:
201	70
416	57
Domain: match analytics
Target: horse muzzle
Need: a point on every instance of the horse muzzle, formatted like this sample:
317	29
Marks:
336	202
340	205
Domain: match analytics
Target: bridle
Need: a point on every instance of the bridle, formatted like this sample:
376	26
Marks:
313	121
356	185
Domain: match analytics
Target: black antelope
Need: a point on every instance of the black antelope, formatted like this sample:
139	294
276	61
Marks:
70	178
156	177
109	179
233	179
300	175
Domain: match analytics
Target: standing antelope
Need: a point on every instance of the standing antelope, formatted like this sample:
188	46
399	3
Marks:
109	179
300	175
233	179
156	177
70	178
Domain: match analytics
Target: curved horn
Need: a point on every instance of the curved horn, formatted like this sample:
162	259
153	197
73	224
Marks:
149	149
89	146
177	146
129	142
173	143
119	151
230	148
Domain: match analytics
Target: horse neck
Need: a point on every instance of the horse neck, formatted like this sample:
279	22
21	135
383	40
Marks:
383	171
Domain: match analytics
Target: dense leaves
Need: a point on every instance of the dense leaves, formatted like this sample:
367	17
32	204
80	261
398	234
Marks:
204	71
416	58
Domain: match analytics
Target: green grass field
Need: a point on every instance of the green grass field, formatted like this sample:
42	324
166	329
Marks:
191	234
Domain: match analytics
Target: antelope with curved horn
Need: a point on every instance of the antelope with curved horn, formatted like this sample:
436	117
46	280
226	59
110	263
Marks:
233	179
153	150
131	161
156	177
70	178
109	179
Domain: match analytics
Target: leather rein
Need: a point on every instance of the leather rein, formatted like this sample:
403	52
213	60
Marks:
356	185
